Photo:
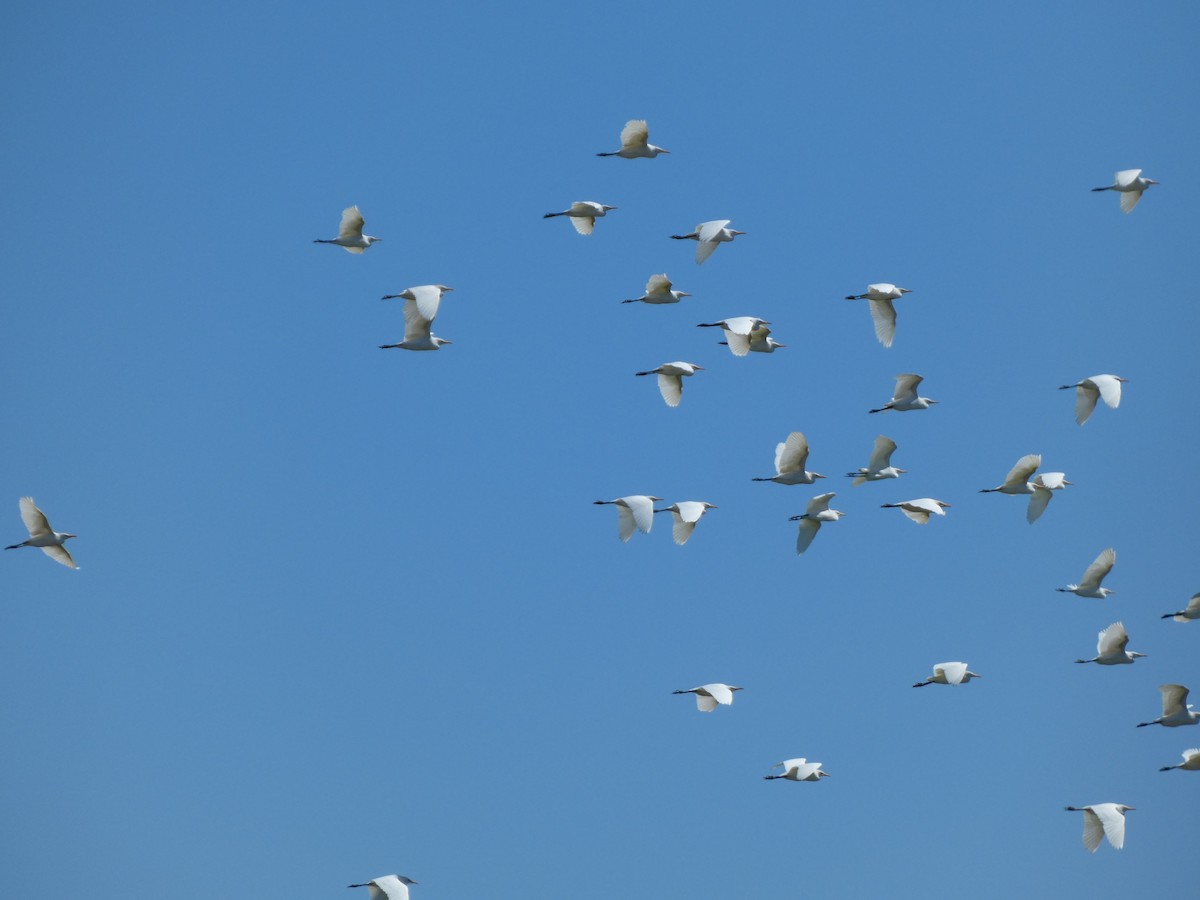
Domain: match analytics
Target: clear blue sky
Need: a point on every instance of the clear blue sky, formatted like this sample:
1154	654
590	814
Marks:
344	612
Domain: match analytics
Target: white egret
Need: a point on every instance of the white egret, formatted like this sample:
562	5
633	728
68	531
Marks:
709	235
760	341
658	290
670	379
818	511
919	510
880	297
686	513
583	214
635	143
387	887
1088	391
1015	482
350	236
1110	648
1089	585
1191	611
1176	710
427	298
41	535
420	308
710	696
1130	184
791	456
904	397
1191	761
949	673
634	511
798	769
737	331
879	466
1102	820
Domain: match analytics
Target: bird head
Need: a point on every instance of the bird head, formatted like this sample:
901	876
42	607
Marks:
440	341
370	240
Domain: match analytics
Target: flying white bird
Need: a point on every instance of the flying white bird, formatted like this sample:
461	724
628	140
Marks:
1191	611
904	397
818	511
791	456
427	298
737	331
583	214
1088	391
760	341
1176	710
635	143
42	535
1130	184
686	513
1089	585
420	308
1015	482
709	696
880	465
880	297
1110	649
670	379
388	887
798	769
634	511
1102	820
949	673
919	510
658	290
1191	761
709	235
350	236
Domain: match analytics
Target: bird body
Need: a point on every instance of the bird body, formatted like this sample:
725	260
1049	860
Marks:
791	456
709	235
1191	611
710	696
42	536
670	379
818	512
1191	761
1110	648
635	142
1088	391
420	309
879	297
921	509
738	331
686	514
1089	585
1102	820
904	397
350	234
583	214
658	290
387	887
949	673
1129	183
634	511
1176	710
798	769
879	467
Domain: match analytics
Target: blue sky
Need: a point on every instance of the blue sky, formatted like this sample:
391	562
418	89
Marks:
342	612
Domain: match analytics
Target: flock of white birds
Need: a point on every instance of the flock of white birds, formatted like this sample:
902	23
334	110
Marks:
743	335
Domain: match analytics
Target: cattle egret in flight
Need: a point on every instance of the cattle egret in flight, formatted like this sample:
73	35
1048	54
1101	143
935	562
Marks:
880	297
1191	611
1176	710
1110	648
798	769
583	214
1130	184
670	379
420	308
427	298
350	236
1015	482
1102	820
687	513
1088	391
635	143
709	235
388	887
1191	762
919	510
818	511
880	465
709	696
658	290
1089	585
949	673
42	535
791	456
904	397
634	511
737	332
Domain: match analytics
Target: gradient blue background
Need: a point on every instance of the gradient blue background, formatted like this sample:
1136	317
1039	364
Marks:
343	612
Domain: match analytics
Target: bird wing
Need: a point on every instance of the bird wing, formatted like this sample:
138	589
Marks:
953	671
881	456
1112	640
808	531
1194	603
906	386
739	344
1052	481
1126	177
682	529
416	326
390	887
1174	699
60	554
583	224
884	315
916	513
35	520
819	503
1129	199
671	388
351	227
720	693
1093	829
792	766
704	249
1037	503
1086	394
709	231
792	454
1113	822
690	510
1110	389
658	284
635	134
1099	568
1026	466
427	298
641	511
626	523
706	704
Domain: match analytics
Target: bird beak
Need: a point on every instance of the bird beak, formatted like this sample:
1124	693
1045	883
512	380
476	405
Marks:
935	401
905	291
815	475
665	150
684	294
737	232
444	341
779	346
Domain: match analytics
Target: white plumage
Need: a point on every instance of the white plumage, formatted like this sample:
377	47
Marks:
42	536
1088	391
686	514
350	233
